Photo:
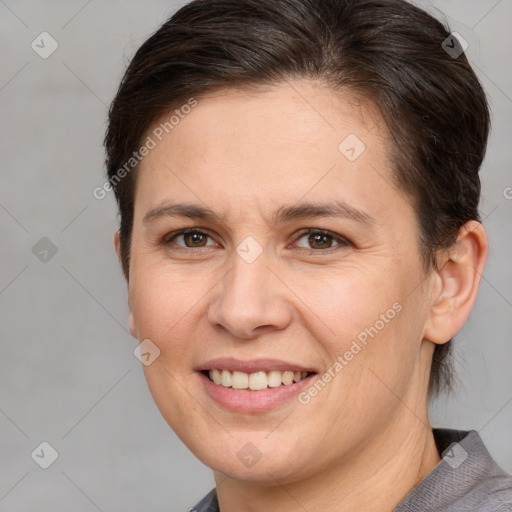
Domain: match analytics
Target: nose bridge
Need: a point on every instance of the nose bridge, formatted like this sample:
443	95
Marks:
247	286
249	297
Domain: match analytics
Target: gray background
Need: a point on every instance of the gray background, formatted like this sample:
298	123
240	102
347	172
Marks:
68	374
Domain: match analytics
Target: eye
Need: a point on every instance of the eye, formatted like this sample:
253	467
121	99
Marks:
318	240
189	238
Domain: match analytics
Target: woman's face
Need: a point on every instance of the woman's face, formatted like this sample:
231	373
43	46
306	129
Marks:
250	290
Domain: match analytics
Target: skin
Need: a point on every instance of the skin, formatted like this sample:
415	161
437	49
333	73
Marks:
365	440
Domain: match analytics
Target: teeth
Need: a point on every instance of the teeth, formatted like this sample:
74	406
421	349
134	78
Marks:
239	380
255	381
225	378
258	381
274	379
215	376
287	378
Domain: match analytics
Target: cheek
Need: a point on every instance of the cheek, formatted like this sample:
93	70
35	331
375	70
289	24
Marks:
163	308
365	321
347	301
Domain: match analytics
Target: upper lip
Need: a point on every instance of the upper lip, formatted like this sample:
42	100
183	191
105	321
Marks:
252	366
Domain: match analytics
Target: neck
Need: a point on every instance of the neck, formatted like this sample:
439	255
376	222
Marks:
376	479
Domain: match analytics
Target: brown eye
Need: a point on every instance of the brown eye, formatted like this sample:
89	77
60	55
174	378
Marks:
194	239
318	240
190	239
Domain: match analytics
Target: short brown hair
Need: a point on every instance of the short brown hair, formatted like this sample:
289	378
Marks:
387	50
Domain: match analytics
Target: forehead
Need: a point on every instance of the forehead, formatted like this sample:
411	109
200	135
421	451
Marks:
267	145
294	111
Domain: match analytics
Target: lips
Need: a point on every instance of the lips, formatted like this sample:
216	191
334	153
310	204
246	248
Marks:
252	366
252	386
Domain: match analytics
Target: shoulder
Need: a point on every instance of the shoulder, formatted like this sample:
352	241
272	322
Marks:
209	503
498	496
467	479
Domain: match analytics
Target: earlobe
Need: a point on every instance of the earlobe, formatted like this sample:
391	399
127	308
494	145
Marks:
131	320
458	277
131	317
117	244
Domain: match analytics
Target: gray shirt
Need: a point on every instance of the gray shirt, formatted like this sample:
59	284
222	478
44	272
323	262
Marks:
466	480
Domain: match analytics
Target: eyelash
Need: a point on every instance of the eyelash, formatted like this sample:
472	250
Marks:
341	241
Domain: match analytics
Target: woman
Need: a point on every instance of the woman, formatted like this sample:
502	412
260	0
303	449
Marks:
298	188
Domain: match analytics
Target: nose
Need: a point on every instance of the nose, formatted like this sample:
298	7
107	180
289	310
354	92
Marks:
250	300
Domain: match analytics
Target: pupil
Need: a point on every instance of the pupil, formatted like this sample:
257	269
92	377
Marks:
194	238
319	240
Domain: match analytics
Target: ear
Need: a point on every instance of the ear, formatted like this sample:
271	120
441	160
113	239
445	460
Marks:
117	245
131	321
456	283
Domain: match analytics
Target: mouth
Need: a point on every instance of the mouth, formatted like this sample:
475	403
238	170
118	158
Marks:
255	381
253	386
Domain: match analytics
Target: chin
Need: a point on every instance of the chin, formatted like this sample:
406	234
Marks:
250	457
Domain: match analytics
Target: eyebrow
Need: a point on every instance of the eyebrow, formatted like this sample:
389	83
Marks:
284	214
331	209
188	210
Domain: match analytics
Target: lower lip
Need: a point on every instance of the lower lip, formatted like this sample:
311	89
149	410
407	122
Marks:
244	400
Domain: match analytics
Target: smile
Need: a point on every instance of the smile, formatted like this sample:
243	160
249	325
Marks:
253	386
256	381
